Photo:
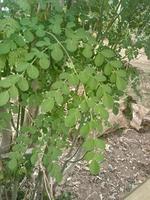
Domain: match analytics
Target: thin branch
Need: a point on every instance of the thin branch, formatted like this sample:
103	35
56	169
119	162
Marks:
12	121
114	18
46	182
68	160
101	16
22	115
46	187
75	161
52	35
72	146
18	121
70	59
37	57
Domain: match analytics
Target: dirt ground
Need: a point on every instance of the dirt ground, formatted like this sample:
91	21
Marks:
126	165
127	157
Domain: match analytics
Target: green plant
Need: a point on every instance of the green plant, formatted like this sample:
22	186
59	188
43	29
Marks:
58	82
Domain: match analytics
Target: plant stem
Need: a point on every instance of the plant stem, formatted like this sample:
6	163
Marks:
18	120
14	190
114	18
22	116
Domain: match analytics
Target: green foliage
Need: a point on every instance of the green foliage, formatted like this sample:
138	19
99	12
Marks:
4	98
57	53
55	57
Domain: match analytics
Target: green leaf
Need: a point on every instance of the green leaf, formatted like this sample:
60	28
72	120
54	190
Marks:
12	164
57	53
13	92
108	69
99	92
44	63
40	33
72	117
89	144
29	56
9	81
84	106
96	125
113	78
4	48
4	98
73	79
89	156
21	67
47	105
71	45
32	72
100	109
116	63
41	44
59	98
92	83
100	77
64	75
91	102
2	62
121	83
107	100
56	28
107	88
87	52
99	143
23	84
24	5
99	59
84	130
53	153
99	157
84	77
70	121
108	53
121	73
56	5
19	40
65	89
28	36
34	158
56	172
94	167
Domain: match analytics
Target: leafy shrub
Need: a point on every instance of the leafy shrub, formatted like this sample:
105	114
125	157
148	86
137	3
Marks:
59	80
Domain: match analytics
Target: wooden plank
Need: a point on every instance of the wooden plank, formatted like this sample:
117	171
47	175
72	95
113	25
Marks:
141	193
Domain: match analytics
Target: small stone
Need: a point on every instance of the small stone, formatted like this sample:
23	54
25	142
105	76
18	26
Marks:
110	168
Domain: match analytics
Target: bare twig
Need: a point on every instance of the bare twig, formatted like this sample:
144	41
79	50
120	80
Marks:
12	122
69	154
81	158
46	187
18	121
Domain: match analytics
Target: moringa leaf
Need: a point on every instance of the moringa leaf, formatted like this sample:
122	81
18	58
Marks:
94	167
47	105
87	52
108	53
4	98
44	63
32	72
23	84
99	59
57	53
